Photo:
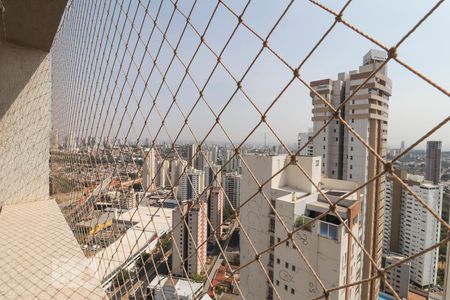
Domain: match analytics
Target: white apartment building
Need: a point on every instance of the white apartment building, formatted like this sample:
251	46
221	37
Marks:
192	184
397	277
326	243
204	159
149	170
176	169
303	138
190	154
213	197
162	179
345	157
189	224
410	228
211	172
231	183
214	154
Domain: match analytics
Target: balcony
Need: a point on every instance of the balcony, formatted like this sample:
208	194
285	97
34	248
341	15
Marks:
322	228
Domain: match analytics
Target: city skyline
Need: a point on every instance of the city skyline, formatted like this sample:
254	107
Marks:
291	114
149	150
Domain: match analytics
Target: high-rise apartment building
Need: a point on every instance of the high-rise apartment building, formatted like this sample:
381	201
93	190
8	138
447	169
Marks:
177	167
344	157
398	277
433	161
204	159
149	170
213	197
213	175
231	183
410	228
162	179
189	223
303	138
214	154
326	243
231	162
190	154
192	184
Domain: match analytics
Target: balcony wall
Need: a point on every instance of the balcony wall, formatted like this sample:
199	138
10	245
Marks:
24	124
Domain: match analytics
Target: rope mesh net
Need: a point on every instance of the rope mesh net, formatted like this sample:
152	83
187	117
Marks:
155	113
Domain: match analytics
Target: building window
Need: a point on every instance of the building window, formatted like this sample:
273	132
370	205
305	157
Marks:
293	268
351	176
351	167
337	139
287	243
278	261
286	264
353	120
277	282
285	287
292	291
353	111
351	139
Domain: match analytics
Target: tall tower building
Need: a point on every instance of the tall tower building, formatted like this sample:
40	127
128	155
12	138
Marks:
326	244
303	138
433	161
192	184
189	223
398	277
212	172
213	197
162	179
176	169
149	170
231	183
410	228
204	159
344	157
190	154
214	154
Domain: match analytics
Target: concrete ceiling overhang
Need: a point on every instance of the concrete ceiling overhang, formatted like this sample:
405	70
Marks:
30	23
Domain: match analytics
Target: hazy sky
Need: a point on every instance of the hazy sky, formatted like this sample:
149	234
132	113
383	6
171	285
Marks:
415	106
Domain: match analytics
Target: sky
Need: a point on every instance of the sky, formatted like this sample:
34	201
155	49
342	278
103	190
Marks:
415	106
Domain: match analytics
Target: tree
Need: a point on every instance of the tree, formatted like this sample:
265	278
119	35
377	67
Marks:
122	276
142	259
199	278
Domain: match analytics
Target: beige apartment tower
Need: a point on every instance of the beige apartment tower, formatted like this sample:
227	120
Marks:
189	225
345	157
149	170
326	244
